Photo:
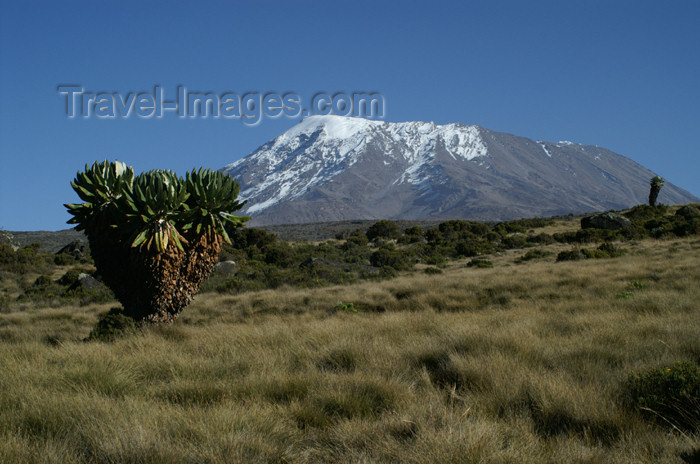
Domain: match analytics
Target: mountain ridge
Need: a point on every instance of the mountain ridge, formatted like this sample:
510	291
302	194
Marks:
329	168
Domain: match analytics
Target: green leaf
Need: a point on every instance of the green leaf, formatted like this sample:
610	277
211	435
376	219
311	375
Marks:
140	238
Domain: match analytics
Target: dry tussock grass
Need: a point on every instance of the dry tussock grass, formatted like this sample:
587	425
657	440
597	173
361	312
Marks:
518	363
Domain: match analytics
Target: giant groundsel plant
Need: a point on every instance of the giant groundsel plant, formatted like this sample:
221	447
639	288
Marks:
155	237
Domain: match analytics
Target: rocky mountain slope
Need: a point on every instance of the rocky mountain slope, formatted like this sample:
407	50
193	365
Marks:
330	168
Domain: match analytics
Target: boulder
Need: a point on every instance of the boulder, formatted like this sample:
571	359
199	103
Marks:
86	281
609	221
226	267
76	248
7	238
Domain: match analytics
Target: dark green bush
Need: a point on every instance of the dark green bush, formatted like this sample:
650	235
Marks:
414	231
63	259
685	227
413	234
279	254
571	255
358	237
480	263
467	249
388	257
609	250
70	277
112	325
515	241
432	235
593	254
534	254
435	259
641	212
244	238
669	395
42	289
383	229
606	250
86	296
66	289
24	259
462	230
543	239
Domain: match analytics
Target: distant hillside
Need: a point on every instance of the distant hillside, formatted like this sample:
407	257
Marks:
333	168
50	241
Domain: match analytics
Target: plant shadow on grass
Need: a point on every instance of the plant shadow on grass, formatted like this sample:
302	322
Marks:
357	400
555	420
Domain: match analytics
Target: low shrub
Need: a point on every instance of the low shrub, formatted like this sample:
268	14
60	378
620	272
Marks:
358	237
414	231
641	212
63	259
541	239
71	276
346	307
480	263
609	250
388	257
25	259
383	229
606	250
534	254
571	255
42	289
86	296
112	325
668	395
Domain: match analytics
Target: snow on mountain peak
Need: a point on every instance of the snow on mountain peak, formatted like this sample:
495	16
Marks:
334	127
321	147
460	140
328	168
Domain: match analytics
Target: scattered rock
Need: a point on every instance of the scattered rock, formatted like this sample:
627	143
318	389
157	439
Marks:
76	248
86	281
609	221
7	238
226	267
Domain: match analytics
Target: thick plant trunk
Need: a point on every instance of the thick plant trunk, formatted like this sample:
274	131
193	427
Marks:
653	195
155	287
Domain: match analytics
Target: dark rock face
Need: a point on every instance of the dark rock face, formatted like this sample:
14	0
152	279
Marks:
610	221
331	168
76	248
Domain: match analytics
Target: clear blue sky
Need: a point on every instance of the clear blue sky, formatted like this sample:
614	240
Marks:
624	75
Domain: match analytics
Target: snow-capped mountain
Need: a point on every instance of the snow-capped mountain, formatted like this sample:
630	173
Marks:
330	168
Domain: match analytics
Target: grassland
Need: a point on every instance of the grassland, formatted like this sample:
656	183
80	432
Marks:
519	363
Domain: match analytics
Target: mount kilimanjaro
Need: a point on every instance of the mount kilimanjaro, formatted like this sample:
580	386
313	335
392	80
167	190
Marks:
330	168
